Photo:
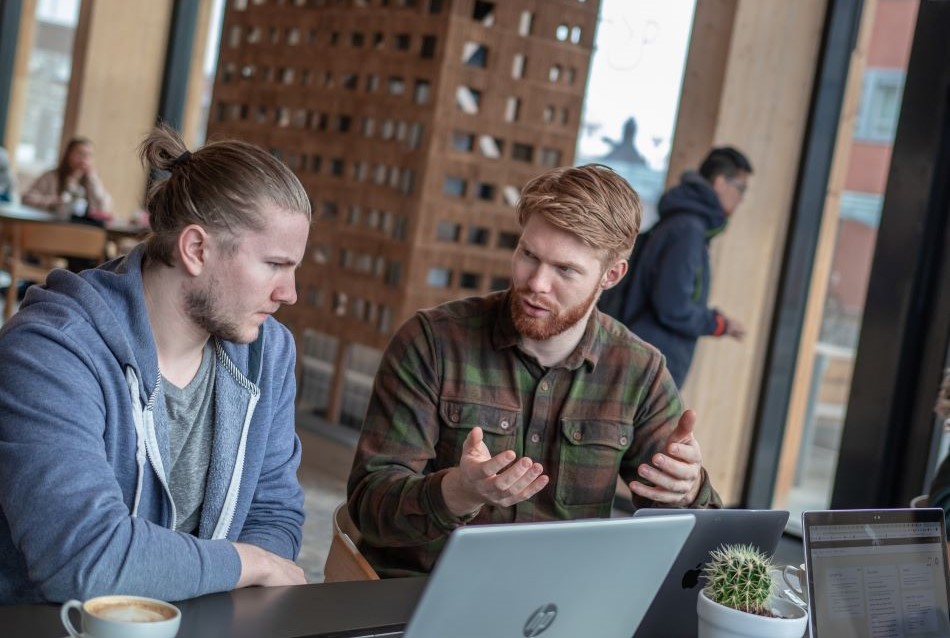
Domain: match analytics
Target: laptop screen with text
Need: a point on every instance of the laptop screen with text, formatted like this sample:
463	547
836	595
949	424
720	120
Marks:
877	573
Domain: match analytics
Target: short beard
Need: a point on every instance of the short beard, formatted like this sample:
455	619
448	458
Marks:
202	307
539	329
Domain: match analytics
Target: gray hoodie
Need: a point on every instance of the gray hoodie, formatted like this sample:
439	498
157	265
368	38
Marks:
85	507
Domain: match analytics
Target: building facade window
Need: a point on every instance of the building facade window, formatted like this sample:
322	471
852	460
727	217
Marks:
462	141
439	278
475	54
448	231
484	12
478	236
470	280
880	105
454	186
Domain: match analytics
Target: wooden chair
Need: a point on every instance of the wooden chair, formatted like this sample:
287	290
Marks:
344	561
48	243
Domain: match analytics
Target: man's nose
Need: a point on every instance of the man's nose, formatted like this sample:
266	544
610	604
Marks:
540	279
286	291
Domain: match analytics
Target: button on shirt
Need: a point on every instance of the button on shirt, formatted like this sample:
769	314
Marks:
607	408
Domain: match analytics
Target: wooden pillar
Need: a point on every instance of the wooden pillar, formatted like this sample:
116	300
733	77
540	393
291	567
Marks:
748	83
118	62
704	81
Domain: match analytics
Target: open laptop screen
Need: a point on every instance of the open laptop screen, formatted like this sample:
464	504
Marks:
876	573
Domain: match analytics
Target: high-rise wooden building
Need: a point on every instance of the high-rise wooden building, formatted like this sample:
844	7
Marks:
413	126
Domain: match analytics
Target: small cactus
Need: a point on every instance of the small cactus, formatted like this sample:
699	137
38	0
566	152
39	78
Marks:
738	576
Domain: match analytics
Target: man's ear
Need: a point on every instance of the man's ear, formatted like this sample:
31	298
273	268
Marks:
614	273
193	248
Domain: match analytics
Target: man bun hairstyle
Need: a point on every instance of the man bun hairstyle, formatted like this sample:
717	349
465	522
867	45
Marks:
592	202
726	161
221	187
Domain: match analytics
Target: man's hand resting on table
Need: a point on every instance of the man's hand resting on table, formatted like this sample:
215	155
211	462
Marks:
261	567
481	478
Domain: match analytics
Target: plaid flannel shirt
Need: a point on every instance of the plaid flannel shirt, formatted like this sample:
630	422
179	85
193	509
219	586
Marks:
598	415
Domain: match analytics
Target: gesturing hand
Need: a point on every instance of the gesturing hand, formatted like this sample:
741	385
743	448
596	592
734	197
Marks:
481	478
676	473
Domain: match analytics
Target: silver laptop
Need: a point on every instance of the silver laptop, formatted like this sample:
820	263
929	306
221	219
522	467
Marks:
876	573
564	579
673	612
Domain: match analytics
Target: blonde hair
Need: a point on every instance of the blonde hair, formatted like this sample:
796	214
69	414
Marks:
221	187
591	202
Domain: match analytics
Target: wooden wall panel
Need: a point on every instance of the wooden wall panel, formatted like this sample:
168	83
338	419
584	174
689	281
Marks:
771	52
116	100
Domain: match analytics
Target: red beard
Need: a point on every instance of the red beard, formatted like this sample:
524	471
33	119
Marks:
541	328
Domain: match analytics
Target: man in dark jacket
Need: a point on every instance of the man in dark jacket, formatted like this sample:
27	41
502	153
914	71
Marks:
667	296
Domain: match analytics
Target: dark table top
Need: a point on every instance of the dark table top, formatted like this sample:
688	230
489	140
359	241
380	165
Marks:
256	612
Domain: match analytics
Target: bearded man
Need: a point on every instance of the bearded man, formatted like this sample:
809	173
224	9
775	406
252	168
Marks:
527	404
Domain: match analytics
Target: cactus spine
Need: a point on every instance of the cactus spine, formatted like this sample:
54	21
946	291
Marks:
738	576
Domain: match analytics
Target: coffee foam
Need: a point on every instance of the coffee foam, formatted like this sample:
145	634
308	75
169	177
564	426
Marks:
131	611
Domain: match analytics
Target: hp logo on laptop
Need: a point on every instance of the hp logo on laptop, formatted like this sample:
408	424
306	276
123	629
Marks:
541	619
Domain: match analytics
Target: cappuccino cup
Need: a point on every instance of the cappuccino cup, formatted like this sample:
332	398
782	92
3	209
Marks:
122	617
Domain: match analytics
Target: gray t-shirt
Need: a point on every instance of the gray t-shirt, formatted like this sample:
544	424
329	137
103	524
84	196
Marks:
190	432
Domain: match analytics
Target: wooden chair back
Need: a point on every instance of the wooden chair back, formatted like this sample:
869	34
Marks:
48	244
345	562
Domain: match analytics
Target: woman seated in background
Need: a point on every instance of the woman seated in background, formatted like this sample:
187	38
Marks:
72	190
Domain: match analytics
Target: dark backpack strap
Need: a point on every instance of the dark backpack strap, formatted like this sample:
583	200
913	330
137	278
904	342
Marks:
615	301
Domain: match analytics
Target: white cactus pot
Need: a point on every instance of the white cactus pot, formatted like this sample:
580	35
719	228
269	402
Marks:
719	621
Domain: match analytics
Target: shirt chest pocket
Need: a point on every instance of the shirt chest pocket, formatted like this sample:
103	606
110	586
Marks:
499	424
590	455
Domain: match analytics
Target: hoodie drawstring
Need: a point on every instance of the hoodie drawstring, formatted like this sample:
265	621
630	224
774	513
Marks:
132	381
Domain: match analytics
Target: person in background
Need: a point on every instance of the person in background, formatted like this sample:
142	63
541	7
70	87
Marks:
665	301
526	404
73	189
147	441
7	180
940	485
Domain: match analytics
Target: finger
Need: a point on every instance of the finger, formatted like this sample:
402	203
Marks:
676	467
688	452
659	494
518	476
654	495
684	427
473	440
533	488
473	447
497	463
664	480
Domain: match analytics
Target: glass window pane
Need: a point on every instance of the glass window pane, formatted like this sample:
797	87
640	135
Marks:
50	67
813	434
623	126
